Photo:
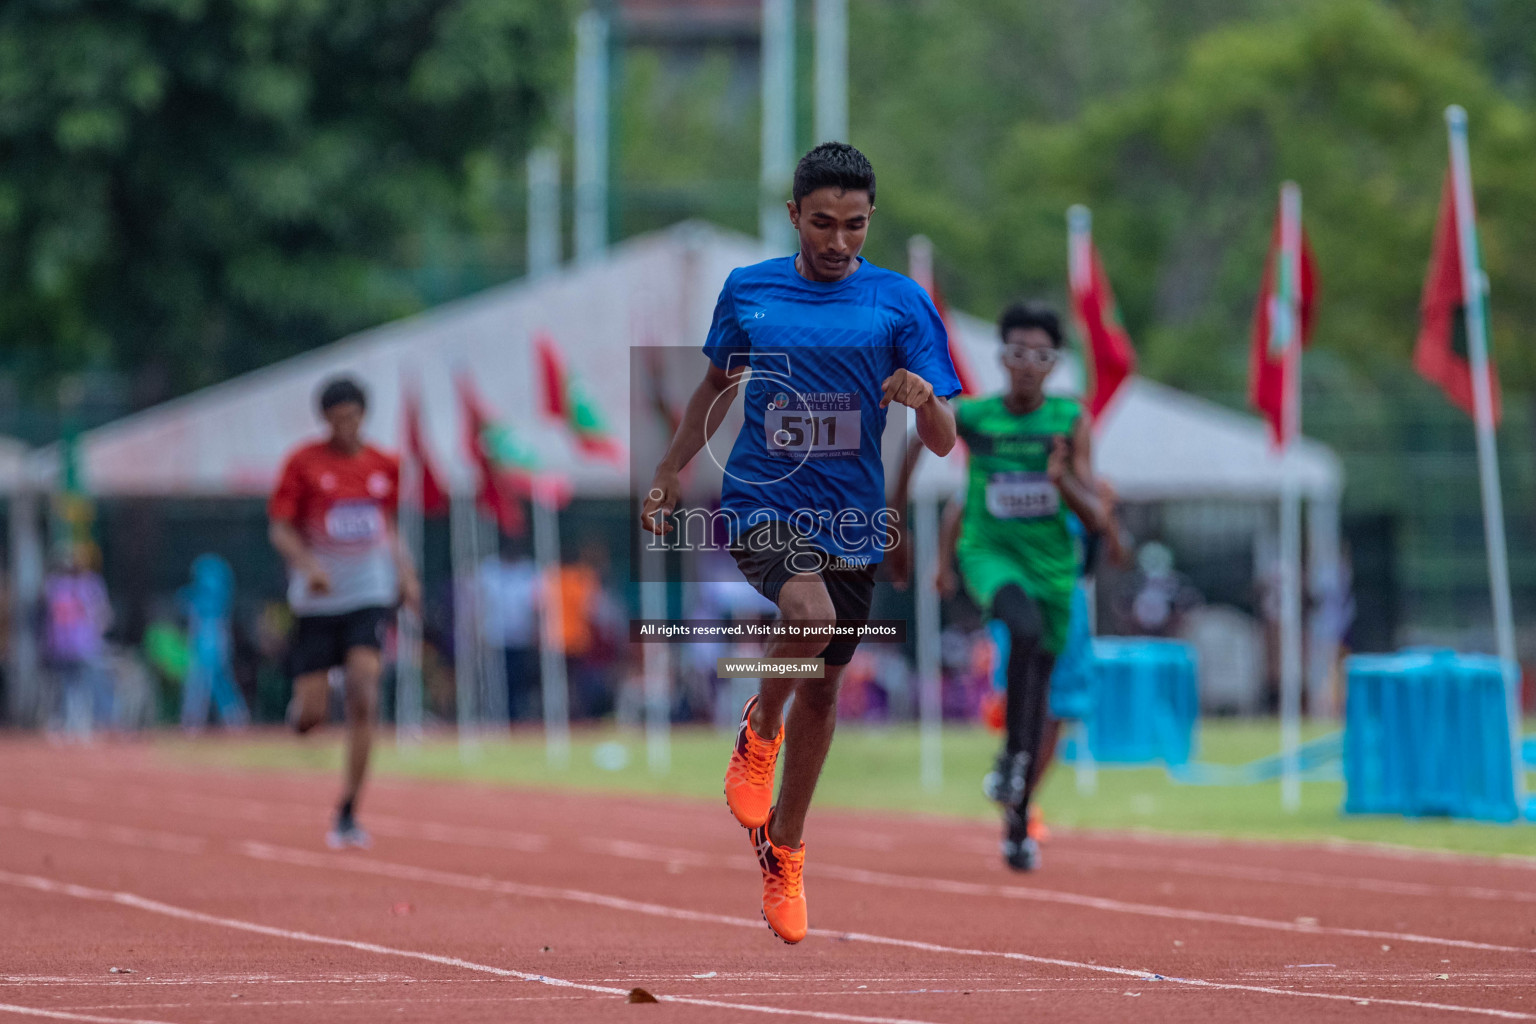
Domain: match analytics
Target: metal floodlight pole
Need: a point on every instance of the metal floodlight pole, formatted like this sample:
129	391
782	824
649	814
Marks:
1475	294
592	62
1289	274
543	211
778	140
831	71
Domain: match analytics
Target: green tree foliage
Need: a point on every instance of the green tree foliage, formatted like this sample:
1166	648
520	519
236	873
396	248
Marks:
1345	98
1181	162
193	187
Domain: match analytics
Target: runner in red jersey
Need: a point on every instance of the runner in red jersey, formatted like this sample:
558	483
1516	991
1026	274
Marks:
332	520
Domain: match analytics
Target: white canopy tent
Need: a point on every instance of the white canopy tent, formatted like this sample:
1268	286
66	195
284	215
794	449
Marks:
1156	443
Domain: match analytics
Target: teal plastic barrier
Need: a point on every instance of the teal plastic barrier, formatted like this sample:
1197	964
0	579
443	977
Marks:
1427	733
1146	701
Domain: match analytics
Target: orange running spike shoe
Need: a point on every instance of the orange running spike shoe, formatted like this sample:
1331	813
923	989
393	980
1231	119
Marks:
783	887
1036	828
749	776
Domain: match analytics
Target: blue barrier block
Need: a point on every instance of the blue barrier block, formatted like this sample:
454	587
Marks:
1427	733
1145	701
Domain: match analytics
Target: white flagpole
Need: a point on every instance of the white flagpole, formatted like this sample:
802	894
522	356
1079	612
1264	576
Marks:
924	564
1474	291
1290	506
1079	276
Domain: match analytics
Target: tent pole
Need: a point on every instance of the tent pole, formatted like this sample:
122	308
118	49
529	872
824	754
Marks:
460	526
657	662
408	688
493	660
925	530
26	590
546	551
1326	579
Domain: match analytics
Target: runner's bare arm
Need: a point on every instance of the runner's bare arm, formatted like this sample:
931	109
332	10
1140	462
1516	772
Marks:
935	419
1071	470
285	538
706	409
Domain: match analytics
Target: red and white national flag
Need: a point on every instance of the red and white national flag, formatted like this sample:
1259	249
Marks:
1282	325
434	498
1110	355
1441	352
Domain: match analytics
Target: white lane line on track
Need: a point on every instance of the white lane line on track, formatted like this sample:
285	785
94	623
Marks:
1281	876
643	851
626	849
303	858
283	813
128	899
32	1011
154	780
74	828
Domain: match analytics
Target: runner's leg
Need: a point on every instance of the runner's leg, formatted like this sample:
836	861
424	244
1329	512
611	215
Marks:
1029	675
311	698
808	733
364	665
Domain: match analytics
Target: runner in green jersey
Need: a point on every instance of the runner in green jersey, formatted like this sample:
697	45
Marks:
1029	464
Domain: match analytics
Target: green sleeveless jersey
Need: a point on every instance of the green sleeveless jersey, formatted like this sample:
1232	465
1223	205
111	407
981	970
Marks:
1015	523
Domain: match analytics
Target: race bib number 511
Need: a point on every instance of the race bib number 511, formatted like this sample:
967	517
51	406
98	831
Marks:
1021	496
818	425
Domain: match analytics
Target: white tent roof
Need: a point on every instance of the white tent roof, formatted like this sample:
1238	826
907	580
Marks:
13	464
659	289
1155	443
230	439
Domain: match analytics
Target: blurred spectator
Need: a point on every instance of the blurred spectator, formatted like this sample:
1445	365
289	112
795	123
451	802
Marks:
77	615
590	624
509	593
207	600
1158	596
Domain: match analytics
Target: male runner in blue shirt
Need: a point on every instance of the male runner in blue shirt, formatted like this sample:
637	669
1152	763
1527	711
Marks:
831	341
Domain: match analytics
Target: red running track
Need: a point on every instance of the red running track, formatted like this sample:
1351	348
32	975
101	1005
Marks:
215	896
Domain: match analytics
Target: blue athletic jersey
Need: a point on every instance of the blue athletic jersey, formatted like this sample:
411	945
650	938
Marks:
809	448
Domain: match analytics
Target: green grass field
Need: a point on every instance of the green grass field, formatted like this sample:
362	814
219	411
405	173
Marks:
877	769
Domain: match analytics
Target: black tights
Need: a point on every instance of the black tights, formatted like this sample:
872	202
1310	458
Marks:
1029	676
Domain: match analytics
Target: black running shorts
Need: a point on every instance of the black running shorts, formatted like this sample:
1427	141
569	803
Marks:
771	553
321	642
